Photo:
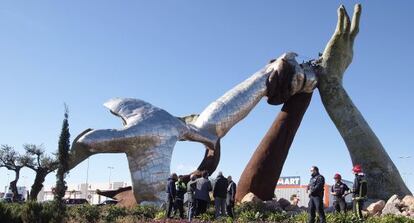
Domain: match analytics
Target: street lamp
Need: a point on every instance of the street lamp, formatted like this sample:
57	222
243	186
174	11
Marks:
110	170
87	178
7	183
24	180
405	174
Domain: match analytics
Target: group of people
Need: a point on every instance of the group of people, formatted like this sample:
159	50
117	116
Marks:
198	195
339	191
224	192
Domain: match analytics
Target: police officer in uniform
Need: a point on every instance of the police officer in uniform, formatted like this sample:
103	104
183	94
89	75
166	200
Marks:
338	191
316	190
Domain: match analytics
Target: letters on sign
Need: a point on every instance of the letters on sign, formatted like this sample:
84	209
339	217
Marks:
289	181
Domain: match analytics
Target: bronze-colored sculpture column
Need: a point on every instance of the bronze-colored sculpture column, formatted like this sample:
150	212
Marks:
264	168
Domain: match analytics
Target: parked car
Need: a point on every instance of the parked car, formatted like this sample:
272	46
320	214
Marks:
75	201
108	202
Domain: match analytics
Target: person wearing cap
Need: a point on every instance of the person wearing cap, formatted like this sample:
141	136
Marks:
316	190
359	190
172	193
191	187
220	194
338	191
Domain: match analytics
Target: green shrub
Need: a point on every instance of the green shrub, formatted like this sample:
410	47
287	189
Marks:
51	212
144	211
10	213
160	215
206	217
250	215
300	218
84	213
32	212
128	219
278	217
250	206
341	218
390	219
112	212
225	220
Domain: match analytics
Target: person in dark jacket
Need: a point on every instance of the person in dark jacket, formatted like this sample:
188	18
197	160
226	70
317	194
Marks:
316	190
191	187
359	191
181	189
220	194
171	193
202	196
231	197
338	191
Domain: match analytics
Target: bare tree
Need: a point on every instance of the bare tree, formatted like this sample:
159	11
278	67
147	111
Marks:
36	159
12	160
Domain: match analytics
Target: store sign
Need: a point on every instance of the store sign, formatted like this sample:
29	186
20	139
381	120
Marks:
289	181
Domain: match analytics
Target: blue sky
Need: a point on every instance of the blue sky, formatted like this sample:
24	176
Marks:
182	55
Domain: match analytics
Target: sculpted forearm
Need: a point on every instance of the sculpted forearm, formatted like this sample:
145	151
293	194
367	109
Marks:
352	126
363	145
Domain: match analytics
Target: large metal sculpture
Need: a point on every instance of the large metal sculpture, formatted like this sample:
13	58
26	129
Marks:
150	133
363	145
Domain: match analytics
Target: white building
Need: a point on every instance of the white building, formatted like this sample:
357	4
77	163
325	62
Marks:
87	191
288	186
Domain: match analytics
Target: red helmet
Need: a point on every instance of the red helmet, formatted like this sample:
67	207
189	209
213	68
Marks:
357	169
338	176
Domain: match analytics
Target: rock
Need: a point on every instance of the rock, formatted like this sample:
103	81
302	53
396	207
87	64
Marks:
392	206
367	203
404	213
250	197
411	208
404	208
293	208
272	205
408	201
283	203
376	208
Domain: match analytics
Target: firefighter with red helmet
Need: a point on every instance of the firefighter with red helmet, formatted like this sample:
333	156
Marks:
338	190
359	190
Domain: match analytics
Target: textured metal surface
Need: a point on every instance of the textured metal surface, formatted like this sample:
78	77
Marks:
221	115
148	138
150	133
